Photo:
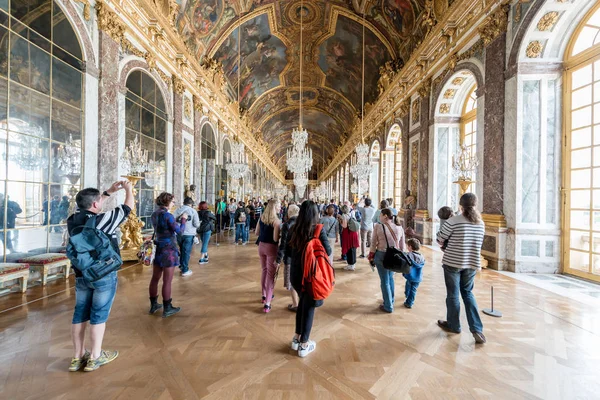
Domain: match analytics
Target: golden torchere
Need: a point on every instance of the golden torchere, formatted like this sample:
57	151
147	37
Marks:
131	230
464	185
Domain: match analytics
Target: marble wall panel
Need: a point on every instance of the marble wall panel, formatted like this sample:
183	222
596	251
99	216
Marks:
197	153
493	148
422	198
108	128
177	146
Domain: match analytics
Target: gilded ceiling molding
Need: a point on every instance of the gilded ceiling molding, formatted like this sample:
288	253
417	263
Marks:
150	23
495	24
547	22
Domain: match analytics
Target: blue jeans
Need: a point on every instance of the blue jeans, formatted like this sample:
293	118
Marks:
461	280
186	242
231	220
205	238
93	300
241	233
387	282
410	291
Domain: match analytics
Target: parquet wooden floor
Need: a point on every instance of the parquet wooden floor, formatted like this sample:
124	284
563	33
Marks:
221	346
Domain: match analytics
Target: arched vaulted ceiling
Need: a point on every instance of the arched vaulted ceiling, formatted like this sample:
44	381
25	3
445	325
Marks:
270	54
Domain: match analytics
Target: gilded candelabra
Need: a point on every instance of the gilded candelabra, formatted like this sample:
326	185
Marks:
464	165
135	162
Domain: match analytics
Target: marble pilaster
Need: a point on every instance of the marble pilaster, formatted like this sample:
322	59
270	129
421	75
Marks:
177	146
493	147
211	168
108	112
422	195
197	153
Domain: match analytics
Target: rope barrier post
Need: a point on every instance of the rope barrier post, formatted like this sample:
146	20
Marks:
490	311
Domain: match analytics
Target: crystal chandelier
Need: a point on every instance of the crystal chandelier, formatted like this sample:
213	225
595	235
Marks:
237	167
155	174
69	157
361	169
464	164
354	188
300	181
135	160
299	157
31	155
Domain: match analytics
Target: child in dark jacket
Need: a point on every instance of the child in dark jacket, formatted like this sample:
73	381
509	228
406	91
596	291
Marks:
415	276
444	214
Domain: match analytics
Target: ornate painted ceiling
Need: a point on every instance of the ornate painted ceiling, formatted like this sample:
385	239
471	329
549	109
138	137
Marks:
270	54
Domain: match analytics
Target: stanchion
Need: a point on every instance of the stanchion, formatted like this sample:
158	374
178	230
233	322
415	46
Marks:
490	311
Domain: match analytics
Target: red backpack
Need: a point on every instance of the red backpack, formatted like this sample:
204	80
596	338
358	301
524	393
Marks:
319	276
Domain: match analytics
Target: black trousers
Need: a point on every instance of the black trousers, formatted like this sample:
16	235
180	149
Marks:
351	256
304	316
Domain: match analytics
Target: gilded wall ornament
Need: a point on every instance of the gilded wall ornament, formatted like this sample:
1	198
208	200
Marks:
197	103
458	81
445	108
534	49
494	25
187	162
425	89
150	60
187	108
416	111
547	22
449	93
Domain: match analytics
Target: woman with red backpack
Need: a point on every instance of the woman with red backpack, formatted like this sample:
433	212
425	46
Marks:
300	235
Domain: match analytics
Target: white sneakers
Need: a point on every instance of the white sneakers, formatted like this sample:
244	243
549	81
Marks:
187	273
304	351
349	268
295	344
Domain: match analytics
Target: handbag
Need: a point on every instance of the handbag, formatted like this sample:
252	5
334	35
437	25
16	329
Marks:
147	251
395	260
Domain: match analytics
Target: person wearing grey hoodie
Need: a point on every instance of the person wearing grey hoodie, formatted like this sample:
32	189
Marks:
186	239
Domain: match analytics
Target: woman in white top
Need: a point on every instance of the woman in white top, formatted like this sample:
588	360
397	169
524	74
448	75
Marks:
390	230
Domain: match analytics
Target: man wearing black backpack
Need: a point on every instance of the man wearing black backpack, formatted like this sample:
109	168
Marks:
94	299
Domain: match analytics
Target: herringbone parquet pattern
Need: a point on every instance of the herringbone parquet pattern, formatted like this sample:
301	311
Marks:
221	346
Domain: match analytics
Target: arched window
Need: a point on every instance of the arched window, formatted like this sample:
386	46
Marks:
468	127
374	179
146	119
208	152
391	167
582	158
346	182
41	126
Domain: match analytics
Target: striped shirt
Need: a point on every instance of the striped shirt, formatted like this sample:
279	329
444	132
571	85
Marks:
464	242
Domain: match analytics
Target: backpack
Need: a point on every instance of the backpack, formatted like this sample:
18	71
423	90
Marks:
242	217
353	225
206	223
319	277
358	215
91	252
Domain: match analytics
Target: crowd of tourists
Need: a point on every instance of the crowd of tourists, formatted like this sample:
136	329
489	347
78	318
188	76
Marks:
301	238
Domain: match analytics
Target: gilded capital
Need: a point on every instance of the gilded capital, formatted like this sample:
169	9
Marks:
178	85
197	104
109	22
494	25
425	88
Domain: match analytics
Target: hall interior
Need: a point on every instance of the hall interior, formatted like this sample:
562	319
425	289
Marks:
413	101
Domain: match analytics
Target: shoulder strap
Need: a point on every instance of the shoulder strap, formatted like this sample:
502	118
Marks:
385	236
393	234
331	227
91	222
318	229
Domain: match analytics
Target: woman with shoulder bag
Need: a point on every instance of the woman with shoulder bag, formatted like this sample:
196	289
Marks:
207	226
282	256
387	232
167	253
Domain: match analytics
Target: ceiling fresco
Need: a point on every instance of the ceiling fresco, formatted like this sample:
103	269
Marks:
262	59
332	55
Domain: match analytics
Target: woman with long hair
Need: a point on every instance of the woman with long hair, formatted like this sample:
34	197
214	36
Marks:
387	233
167	253
461	261
303	231
349	239
267	230
207	226
292	214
